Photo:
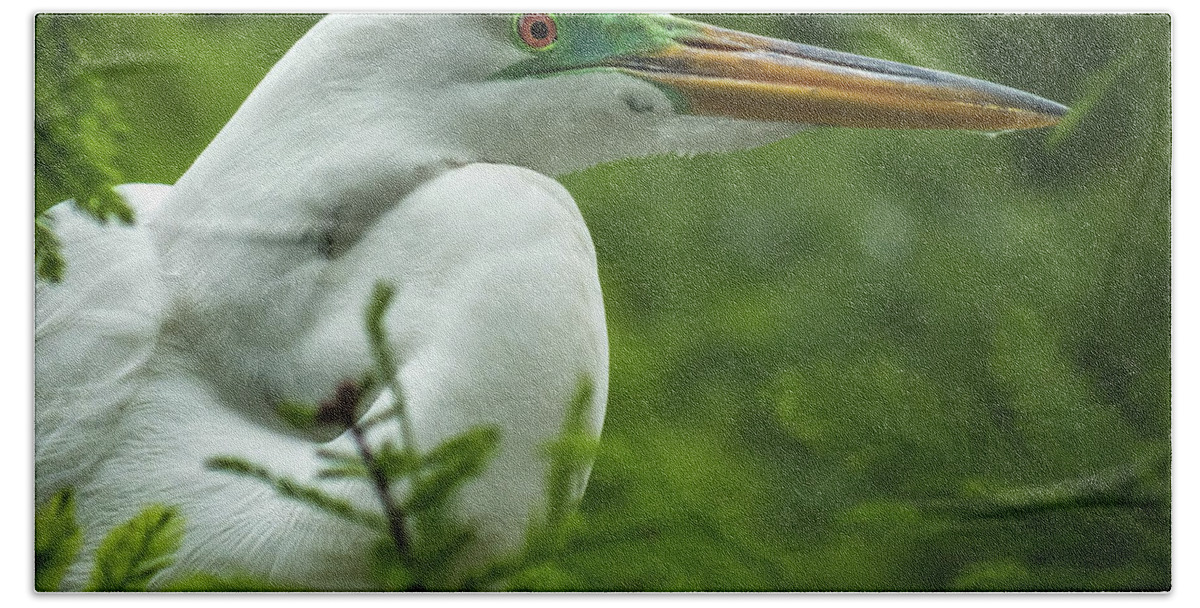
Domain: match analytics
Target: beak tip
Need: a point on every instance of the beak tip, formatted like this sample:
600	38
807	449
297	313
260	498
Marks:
1052	109
1031	110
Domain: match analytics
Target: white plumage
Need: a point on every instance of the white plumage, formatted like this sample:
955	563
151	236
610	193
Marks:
494	326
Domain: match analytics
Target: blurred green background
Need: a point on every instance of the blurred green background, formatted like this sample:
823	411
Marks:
855	360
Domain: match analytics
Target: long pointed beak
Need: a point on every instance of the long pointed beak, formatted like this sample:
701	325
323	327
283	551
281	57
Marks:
721	72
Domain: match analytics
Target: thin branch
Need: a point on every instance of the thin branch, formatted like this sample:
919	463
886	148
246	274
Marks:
397	527
385	360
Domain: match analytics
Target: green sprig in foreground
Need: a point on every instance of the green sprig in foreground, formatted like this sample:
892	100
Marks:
422	544
128	557
76	125
131	554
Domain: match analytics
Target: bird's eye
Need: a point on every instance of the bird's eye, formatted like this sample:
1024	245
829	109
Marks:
537	30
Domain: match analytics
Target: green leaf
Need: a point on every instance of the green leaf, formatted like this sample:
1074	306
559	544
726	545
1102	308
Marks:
395	462
435	558
381	298
47	252
339	458
388	568
570	454
240	466
450	465
293	489
301	416
543	577
56	540
135	551
476	443
347	470
76	123
342	464
385	359
379	417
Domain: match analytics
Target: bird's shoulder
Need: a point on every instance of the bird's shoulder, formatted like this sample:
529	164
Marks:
499	184
499	205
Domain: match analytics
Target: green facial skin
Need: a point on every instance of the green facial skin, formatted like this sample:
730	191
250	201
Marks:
593	40
587	42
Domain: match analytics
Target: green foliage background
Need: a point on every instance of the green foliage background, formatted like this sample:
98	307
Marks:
852	359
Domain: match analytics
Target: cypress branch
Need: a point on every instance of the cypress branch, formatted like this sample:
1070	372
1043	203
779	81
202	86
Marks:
293	489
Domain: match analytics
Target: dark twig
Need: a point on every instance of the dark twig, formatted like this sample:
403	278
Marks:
394	514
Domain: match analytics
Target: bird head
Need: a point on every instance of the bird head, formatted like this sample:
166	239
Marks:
557	93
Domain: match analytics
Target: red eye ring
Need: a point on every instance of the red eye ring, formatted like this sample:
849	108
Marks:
538	30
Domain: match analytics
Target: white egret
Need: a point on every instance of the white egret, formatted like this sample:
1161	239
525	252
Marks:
420	150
